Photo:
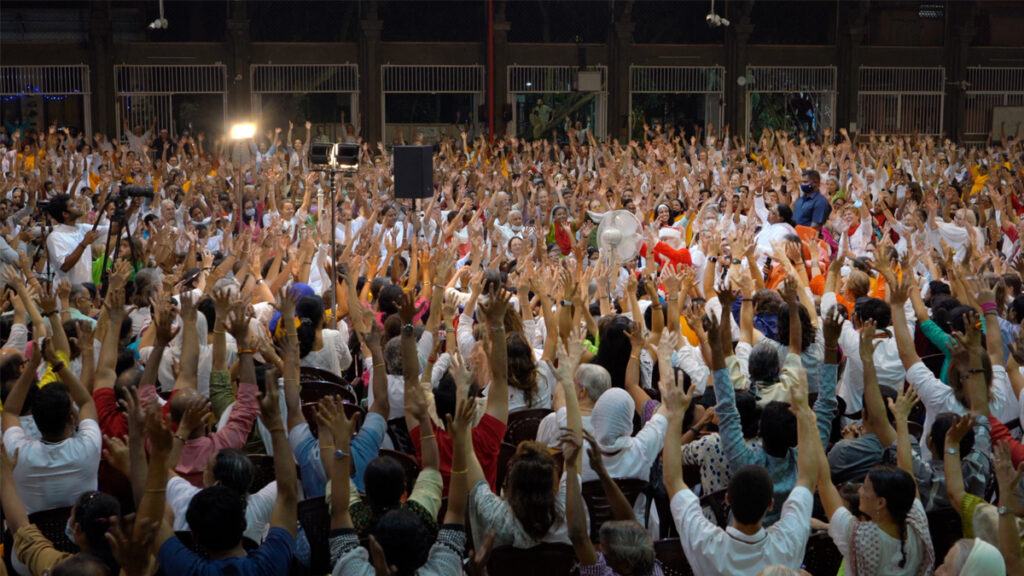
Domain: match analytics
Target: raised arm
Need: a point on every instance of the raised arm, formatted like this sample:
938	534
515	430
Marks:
16	397
494	313
677	402
901	411
875	414
330	415
904	341
575	510
1008	479
188	375
285	513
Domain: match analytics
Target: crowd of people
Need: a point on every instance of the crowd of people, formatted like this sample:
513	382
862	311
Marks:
816	339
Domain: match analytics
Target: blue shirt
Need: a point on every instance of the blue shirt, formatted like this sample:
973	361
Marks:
272	558
811	209
739	453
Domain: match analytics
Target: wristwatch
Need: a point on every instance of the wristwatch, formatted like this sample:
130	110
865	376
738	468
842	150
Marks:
952	451
407	329
1003	510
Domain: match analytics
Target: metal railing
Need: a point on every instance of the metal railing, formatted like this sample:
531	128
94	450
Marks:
44	80
145	92
901	100
416	79
986	88
549	79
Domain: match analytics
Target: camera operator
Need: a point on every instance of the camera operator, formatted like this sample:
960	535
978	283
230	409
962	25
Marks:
70	244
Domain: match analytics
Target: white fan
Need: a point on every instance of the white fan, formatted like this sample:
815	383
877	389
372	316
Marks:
618	236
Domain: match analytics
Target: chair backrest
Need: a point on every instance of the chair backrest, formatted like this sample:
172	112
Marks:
410	466
505	454
308	373
316	523
716	503
309	413
398	431
52	523
597	504
673	561
821	555
542	560
946	528
314	390
523	424
263	471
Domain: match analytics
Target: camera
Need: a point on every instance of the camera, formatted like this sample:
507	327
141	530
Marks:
136	192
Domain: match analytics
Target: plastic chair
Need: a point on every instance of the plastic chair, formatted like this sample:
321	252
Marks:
314	390
316	522
673	560
409	464
523	424
307	373
716	503
52	523
599	509
821	555
542	560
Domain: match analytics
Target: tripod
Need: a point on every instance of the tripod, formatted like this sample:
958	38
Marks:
120	218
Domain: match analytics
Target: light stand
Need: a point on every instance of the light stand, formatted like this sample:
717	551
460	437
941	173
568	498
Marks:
329	162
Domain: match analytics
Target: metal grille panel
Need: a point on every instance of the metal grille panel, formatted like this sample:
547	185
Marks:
900	100
549	79
440	78
990	87
288	79
788	79
44	80
170	79
677	79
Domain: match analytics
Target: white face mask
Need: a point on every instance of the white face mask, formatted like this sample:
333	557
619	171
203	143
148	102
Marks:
516	228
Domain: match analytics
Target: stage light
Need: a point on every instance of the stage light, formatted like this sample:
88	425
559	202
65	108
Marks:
243	131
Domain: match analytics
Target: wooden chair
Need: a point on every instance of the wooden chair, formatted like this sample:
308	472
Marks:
946	528
599	509
523	424
669	553
821	555
409	464
716	503
52	523
316	522
542	560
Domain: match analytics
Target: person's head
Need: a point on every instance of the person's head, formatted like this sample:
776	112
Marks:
531	485
972	557
591	381
778	429
960	217
217	517
763	364
81	564
937	435
810	181
781	213
560	214
750	494
405	539
627	548
384	479
52	412
389	215
887	495
522	366
857	285
89	522
808	329
750	414
872	309
390	299
310	313
62	209
230	468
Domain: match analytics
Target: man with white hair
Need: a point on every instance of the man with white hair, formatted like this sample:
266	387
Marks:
590	382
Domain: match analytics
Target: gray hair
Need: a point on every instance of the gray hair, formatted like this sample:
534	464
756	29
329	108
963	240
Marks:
393	356
628	542
594	379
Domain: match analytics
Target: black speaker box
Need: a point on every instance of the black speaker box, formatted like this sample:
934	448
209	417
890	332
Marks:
414	171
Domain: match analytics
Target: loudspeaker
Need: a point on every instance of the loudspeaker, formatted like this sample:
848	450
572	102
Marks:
414	172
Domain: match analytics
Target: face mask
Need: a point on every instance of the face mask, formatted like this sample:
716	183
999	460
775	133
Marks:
807	188
250	212
516	228
68	532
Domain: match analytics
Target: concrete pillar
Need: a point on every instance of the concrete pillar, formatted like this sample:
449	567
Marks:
850	36
101	70
370	96
239	96
620	43
959	34
736	38
501	63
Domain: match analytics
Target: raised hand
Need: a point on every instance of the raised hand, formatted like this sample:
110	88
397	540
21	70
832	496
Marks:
496	305
904	402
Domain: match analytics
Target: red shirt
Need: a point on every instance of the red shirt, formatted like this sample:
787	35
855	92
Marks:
487	437
111	419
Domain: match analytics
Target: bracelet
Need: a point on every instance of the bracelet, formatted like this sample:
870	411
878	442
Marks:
452	330
49	312
220	331
429	436
463	471
58	367
634	356
260	281
180	437
694	430
498	328
376	364
276	429
566	302
673	298
987	307
331	446
340	454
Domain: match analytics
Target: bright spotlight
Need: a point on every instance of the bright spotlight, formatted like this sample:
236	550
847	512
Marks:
243	131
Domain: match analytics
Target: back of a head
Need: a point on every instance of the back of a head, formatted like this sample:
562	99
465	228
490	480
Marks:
216	516
943	422
393	356
530	488
594	379
750	494
405	539
92	512
808	329
51	408
445	396
896	486
390	298
522	366
310	313
763	364
384	479
778	429
81	565
627	546
874	309
750	413
233	469
858	283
